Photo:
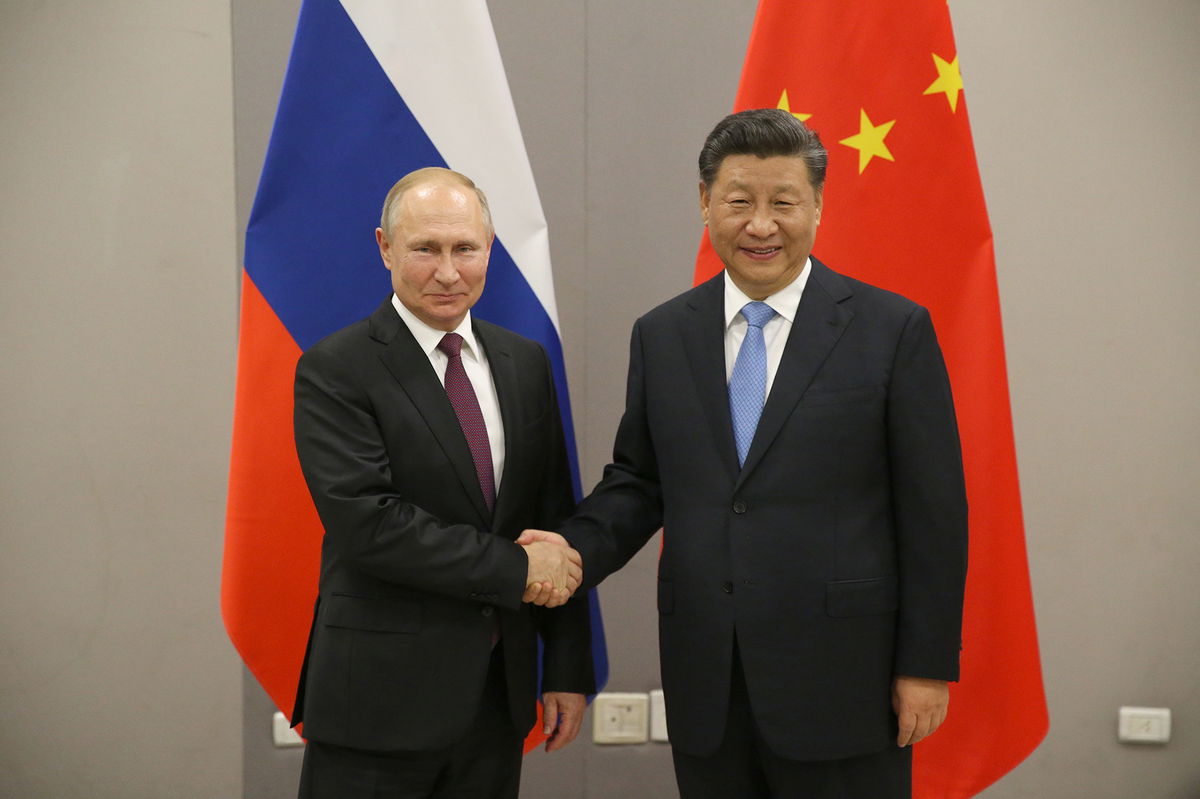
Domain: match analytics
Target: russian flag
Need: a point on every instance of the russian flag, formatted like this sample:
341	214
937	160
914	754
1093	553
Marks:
374	89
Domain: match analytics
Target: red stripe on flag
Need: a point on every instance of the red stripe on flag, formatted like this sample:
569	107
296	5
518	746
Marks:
272	532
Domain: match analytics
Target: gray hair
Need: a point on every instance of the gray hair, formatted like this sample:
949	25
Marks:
429	174
763	132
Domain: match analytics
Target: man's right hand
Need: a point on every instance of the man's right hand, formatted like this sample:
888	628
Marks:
555	569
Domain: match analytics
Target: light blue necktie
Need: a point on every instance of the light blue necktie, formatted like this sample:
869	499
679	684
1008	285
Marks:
748	383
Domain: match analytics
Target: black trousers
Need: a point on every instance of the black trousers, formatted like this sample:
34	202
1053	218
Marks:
745	767
485	764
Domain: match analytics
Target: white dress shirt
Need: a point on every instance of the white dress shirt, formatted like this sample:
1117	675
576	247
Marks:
775	332
475	364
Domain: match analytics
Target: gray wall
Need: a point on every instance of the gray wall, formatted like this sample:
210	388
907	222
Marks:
1079	111
118	259
119	313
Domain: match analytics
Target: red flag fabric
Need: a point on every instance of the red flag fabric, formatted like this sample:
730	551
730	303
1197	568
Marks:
273	535
904	210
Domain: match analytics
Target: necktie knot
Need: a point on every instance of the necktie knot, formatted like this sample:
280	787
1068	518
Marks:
757	314
451	344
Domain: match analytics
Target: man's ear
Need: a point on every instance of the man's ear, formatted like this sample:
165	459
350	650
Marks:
704	202
385	248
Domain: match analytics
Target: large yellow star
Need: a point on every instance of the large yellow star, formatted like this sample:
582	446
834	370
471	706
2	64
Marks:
784	105
949	80
869	140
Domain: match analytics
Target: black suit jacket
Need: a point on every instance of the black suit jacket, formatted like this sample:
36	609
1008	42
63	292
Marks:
413	566
837	554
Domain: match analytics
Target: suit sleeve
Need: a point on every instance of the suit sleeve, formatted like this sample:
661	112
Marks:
366	519
929	505
566	631
625	508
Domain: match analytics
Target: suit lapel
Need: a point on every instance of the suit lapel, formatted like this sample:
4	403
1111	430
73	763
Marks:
705	348
819	323
410	366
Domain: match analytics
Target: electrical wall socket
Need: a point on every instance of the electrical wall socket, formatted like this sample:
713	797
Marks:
658	716
282	732
1151	725
620	718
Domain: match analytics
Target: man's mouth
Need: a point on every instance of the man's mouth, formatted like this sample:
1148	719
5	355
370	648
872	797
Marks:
760	252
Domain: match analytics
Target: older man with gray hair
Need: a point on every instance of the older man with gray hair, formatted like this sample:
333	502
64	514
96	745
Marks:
429	439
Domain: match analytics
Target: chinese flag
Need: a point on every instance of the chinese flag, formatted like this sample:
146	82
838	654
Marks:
904	210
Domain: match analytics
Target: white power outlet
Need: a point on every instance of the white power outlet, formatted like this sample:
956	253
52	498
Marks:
658	716
620	718
1144	725
283	733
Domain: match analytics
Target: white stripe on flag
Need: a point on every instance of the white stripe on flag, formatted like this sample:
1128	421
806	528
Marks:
461	98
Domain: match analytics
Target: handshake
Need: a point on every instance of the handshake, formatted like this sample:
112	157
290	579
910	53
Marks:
555	569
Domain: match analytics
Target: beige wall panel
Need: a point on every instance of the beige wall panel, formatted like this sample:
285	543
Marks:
119	291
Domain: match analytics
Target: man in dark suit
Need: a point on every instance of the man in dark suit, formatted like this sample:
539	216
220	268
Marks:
429	440
792	431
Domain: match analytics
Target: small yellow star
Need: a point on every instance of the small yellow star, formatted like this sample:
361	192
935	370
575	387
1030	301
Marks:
784	105
949	80
869	140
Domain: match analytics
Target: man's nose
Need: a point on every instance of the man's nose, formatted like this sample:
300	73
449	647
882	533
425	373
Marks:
446	272
762	223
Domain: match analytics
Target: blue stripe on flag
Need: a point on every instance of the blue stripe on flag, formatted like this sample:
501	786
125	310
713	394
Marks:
338	146
342	137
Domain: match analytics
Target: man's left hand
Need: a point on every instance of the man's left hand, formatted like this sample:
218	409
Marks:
921	706
562	716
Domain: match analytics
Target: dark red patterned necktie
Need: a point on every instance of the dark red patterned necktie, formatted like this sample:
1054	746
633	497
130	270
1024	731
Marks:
470	418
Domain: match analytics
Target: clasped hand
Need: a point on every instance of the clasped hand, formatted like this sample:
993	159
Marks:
555	569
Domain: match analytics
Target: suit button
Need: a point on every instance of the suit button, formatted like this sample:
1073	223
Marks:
487	611
727	587
739	507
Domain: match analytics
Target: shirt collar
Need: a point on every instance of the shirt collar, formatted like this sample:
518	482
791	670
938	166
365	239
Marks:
429	337
784	302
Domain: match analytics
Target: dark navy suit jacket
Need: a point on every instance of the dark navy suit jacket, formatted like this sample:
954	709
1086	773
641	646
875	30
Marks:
836	554
414	568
